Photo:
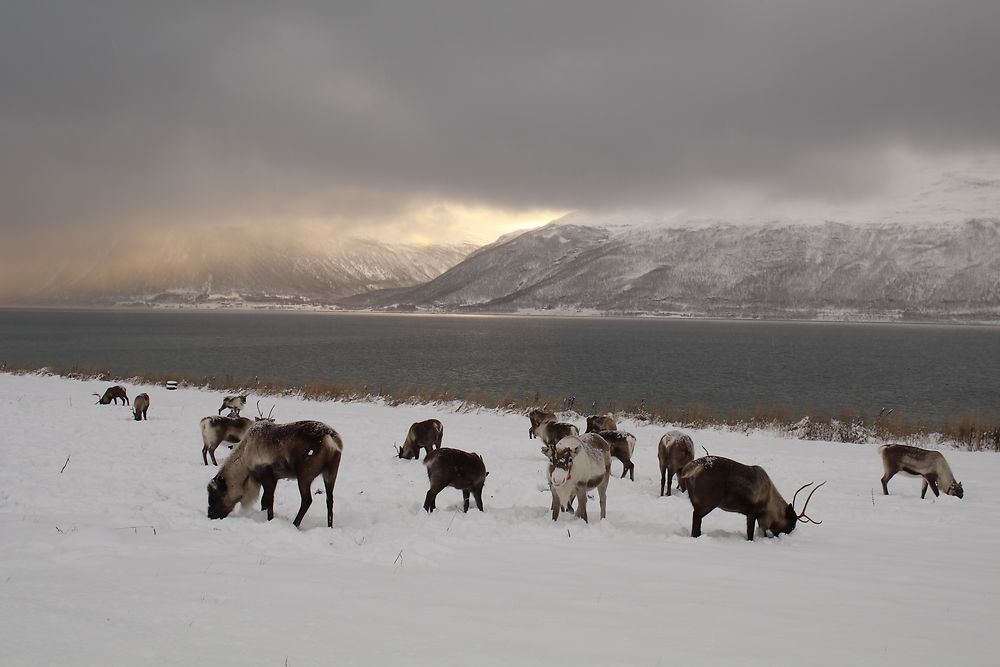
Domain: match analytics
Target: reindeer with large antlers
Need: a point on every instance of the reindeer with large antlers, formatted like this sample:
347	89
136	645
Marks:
716	482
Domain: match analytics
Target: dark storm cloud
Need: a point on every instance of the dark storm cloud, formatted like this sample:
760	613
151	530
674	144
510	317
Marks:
181	112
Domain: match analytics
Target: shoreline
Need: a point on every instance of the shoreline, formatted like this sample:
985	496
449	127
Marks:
533	314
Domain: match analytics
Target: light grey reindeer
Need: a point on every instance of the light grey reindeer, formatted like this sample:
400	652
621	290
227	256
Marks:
926	463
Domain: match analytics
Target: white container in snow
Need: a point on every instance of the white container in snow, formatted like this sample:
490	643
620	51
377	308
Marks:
171	384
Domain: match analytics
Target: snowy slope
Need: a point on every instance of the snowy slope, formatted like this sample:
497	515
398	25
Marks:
87	581
234	264
887	271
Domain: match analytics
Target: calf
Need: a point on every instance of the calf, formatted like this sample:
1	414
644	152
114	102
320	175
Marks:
536	417
622	446
139	407
112	394
234	403
926	463
424	435
716	482
460	470
598	423
577	464
216	430
675	451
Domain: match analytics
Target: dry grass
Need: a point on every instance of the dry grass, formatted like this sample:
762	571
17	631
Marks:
967	430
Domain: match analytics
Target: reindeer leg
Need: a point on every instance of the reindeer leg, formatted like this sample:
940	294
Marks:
631	471
581	504
885	482
923	489
465	500
934	487
556	505
751	520
211	453
663	478
305	492
268	482
329	481
204	454
477	493
602	492
696	523
429	504
670	482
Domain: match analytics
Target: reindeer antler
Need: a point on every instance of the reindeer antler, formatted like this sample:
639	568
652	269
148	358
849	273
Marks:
271	411
802	515
259	412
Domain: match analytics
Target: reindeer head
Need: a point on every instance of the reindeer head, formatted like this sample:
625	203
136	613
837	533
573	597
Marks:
219	505
955	490
260	414
792	518
561	457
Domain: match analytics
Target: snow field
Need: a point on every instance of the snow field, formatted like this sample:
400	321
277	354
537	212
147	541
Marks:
85	580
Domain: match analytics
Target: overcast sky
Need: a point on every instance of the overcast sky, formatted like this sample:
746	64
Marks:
451	120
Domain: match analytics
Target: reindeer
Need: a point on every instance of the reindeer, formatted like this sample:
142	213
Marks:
714	481
464	471
268	452
218	429
112	394
551	432
926	463
622	446
675	451
598	423
234	403
577	464
536	417
424	435
139	407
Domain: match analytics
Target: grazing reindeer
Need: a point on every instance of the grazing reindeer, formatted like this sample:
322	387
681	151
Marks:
216	430
269	452
675	451
577	464
714	481
551	432
112	394
424	435
139	407
460	470
536	417
926	463
234	403
622	446
598	423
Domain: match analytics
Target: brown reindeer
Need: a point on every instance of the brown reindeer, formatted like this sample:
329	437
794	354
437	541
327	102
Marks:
235	403
113	394
925	463
716	482
622	447
598	423
551	432
139	407
268	452
675	451
424	435
536	417
460	470
217	430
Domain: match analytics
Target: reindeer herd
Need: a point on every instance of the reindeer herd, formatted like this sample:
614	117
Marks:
265	452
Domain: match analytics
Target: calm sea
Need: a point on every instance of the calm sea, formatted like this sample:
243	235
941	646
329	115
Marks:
922	371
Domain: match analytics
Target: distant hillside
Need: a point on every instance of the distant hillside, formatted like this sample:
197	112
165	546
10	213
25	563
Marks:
830	270
232	266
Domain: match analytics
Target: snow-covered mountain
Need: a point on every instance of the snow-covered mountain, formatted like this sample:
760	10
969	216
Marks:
830	270
237	265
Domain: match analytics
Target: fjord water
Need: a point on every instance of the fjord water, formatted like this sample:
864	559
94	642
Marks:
922	371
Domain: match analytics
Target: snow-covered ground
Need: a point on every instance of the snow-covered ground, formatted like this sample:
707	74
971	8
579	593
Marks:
113	561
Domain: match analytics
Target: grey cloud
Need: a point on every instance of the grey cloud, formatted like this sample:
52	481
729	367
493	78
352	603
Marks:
113	113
